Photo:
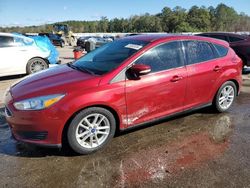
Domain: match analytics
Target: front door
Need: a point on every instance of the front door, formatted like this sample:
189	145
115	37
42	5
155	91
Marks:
162	91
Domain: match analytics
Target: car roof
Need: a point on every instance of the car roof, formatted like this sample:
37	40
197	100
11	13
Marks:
160	37
13	35
7	34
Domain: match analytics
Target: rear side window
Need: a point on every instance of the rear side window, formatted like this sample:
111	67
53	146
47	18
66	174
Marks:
198	51
221	37
235	39
163	57
6	41
222	51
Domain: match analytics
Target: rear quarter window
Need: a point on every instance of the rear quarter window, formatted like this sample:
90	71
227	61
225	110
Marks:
222	50
198	51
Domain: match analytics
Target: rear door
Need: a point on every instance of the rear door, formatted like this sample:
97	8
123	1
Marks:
162	91
203	69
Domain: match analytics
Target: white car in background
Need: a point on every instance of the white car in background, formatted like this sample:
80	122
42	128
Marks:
20	55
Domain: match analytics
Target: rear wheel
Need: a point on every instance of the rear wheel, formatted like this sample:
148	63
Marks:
36	65
91	130
225	96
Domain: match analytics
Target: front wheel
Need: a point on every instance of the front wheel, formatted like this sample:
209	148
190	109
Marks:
90	130
36	65
225	96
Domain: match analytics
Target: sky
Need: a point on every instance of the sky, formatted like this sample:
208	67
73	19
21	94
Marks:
38	12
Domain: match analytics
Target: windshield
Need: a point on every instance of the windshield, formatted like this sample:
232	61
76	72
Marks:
108	57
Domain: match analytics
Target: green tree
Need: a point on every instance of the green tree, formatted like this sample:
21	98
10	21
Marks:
199	19
225	18
165	16
103	25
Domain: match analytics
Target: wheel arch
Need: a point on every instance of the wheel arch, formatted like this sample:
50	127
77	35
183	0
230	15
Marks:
46	60
237	85
66	126
232	80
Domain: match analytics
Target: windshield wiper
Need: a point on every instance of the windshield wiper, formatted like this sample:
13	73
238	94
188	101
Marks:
82	69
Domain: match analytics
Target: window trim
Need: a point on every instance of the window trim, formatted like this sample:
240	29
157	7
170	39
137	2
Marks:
119	76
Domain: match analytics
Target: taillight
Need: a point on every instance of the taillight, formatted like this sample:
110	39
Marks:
236	59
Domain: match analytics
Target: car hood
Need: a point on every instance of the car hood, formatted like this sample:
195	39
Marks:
60	79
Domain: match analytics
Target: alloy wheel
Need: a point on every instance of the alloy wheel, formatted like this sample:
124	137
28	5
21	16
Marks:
226	97
92	131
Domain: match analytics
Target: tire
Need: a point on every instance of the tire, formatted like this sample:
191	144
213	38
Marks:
36	65
225	96
83	130
62	44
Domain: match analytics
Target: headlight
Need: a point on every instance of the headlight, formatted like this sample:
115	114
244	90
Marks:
38	103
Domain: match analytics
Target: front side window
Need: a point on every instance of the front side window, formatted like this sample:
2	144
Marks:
6	41
198	51
108	57
163	57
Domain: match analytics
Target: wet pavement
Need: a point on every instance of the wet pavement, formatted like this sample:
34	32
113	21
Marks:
200	149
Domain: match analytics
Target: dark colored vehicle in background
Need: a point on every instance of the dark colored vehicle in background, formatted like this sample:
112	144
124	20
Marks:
121	85
240	44
90	43
82	41
55	39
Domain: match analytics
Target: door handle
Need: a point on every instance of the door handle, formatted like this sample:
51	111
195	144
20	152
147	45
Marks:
176	78
217	68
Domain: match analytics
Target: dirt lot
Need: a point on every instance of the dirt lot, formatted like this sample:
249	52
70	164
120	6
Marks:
201	149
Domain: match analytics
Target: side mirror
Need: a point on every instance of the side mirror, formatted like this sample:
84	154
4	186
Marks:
139	70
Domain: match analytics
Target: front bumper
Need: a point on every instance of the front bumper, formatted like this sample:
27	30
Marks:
36	127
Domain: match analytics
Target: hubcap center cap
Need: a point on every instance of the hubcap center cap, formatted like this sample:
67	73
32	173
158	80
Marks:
93	130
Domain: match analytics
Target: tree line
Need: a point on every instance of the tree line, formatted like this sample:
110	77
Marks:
176	20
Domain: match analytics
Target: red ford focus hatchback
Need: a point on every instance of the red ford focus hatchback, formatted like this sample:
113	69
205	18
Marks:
121	85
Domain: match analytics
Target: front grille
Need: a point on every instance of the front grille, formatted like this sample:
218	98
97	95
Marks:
33	135
8	113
